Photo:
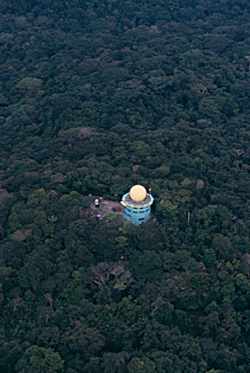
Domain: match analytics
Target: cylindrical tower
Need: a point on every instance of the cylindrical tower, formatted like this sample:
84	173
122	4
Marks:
137	204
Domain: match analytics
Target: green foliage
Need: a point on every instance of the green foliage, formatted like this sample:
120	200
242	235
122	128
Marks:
138	365
40	359
209	257
168	209
96	97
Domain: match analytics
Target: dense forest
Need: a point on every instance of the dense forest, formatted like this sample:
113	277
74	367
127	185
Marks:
95	97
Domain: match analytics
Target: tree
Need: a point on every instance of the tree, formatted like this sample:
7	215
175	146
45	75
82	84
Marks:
145	365
168	210
84	341
209	257
41	359
115	362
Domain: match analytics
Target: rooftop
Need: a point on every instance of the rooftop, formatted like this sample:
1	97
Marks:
129	200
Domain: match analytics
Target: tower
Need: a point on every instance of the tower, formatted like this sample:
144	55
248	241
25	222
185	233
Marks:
137	204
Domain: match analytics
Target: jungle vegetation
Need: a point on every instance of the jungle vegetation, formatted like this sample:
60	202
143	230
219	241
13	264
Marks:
95	97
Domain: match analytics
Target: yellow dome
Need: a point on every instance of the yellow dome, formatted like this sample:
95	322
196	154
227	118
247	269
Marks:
138	193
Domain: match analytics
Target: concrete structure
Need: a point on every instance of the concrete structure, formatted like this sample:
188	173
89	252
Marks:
137	205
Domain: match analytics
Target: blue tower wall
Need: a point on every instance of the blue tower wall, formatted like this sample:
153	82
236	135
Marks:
137	212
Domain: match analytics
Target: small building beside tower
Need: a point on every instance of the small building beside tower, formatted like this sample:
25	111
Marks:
137	205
